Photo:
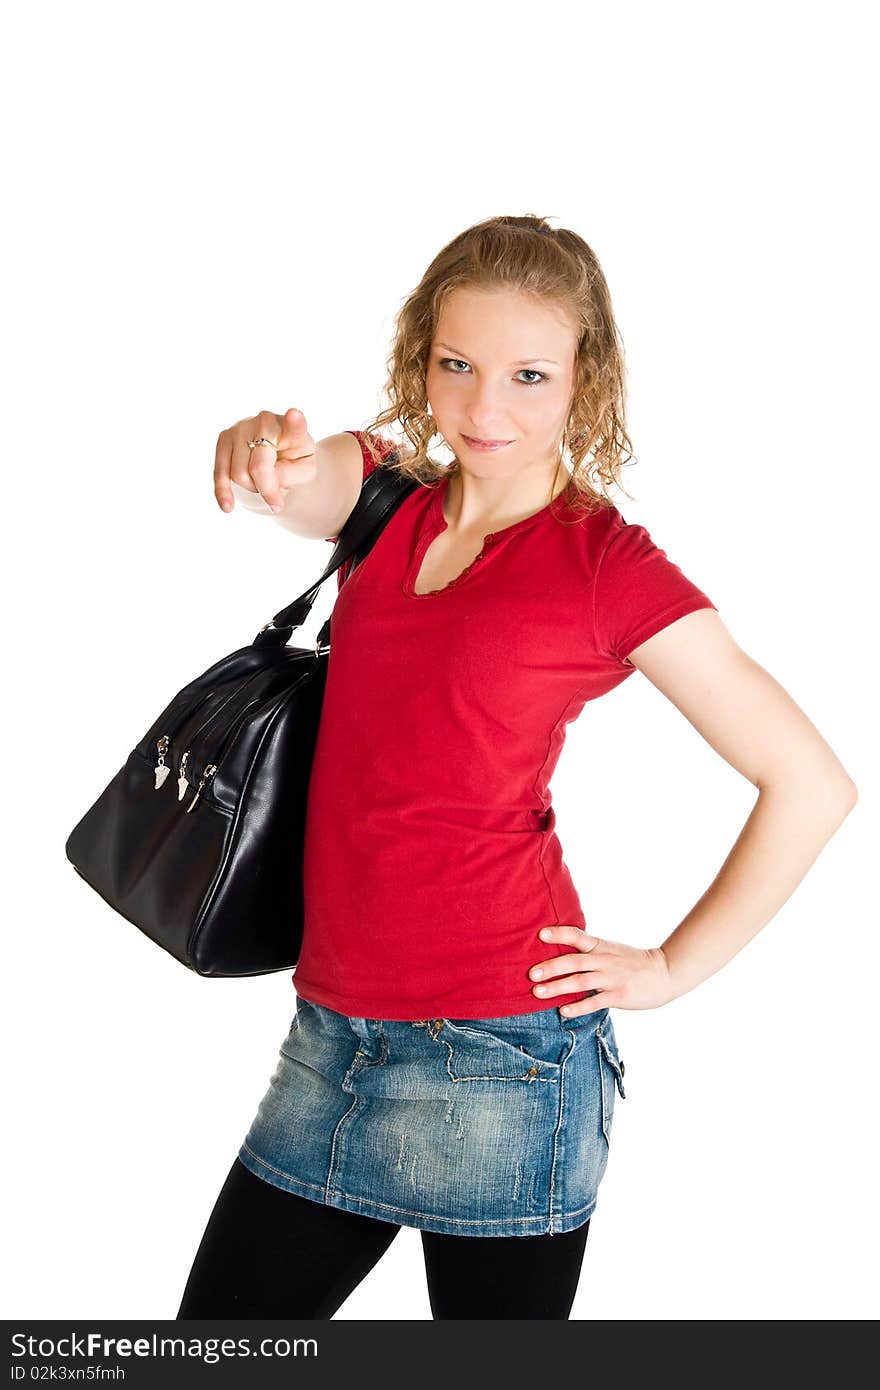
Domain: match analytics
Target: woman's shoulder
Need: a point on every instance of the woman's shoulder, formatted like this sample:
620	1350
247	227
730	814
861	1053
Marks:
591	528
375	449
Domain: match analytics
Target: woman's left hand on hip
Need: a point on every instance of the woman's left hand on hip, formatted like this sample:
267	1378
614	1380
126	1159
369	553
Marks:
619	976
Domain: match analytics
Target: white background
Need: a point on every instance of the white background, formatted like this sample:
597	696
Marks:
218	209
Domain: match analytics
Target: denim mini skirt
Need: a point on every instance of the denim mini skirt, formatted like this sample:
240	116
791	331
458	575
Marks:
466	1126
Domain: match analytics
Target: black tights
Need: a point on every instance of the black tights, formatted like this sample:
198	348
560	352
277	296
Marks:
267	1253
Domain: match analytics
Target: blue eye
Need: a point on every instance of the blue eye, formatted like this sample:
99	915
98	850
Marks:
542	376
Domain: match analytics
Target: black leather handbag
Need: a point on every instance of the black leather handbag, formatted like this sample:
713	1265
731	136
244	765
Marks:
208	862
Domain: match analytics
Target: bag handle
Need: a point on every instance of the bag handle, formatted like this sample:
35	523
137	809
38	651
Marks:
380	496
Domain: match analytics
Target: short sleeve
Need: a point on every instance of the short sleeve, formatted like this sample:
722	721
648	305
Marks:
638	591
384	448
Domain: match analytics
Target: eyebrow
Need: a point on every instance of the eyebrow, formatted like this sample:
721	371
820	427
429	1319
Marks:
526	361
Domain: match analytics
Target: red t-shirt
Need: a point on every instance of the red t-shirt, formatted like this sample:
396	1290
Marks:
431	859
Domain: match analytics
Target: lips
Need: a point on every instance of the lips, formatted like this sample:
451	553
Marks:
487	443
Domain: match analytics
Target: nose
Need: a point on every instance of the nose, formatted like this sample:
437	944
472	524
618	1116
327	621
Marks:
483	412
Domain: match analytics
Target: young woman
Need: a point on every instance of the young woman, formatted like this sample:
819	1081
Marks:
452	1063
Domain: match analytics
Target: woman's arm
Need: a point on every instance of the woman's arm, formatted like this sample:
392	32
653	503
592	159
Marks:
320	508
804	792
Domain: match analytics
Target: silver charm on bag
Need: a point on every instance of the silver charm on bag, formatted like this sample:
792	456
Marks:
182	783
206	775
161	769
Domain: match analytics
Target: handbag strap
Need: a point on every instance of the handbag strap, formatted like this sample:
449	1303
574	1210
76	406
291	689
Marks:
380	496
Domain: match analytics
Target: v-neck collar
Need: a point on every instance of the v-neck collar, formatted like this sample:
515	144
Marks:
435	522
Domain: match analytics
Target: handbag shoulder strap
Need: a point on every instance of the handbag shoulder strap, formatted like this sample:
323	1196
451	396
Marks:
380	496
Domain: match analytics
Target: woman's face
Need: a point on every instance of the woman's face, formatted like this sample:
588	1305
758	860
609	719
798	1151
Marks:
501	367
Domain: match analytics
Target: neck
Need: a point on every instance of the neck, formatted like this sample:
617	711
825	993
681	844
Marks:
478	504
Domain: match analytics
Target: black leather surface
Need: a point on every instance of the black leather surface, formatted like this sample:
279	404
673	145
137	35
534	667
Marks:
220	886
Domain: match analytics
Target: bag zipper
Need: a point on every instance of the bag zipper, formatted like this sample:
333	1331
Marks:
160	768
226	746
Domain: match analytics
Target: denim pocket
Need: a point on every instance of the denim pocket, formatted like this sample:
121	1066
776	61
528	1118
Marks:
476	1053
611	1071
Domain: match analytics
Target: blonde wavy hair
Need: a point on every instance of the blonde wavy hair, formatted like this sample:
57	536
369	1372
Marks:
556	266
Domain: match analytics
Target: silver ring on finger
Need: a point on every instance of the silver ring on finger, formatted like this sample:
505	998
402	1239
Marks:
252	443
